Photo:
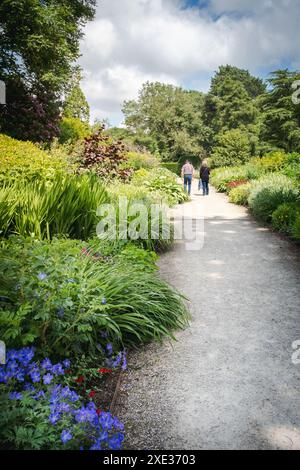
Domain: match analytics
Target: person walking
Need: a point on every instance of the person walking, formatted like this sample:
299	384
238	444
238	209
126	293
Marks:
187	173
204	177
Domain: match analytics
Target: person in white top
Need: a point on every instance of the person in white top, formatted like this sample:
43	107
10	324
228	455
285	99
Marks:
187	173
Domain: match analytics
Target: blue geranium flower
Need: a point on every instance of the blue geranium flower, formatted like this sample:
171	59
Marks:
66	436
60	312
103	301
46	364
67	363
57	369
47	379
54	417
42	276
15	396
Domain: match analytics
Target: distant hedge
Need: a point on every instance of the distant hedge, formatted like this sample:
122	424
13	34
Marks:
172	166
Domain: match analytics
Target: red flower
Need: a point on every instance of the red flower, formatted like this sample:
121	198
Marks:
92	393
104	371
80	379
98	411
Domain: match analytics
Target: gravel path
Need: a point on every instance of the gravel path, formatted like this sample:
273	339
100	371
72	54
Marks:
229	381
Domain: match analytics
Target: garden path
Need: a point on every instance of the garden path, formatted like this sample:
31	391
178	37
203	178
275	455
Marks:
229	381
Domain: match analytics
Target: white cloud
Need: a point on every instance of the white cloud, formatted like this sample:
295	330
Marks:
132	41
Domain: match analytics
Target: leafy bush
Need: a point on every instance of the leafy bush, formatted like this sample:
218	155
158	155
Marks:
296	228
233	148
27	161
234	184
222	176
272	161
284	217
163	182
172	166
270	192
240	194
138	160
40	411
64	206
62	297
105	157
73	129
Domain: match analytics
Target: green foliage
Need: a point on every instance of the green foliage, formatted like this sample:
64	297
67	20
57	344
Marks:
72	129
272	161
62	296
172	166
138	160
39	44
171	116
65	206
75	104
270	192
24	160
162	182
222	176
233	148
240	194
296	229
280	116
284	217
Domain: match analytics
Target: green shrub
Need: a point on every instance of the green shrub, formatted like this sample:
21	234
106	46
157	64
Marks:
222	176
172	166
270	192
25	160
284	217
61	296
65	206
73	129
272	161
240	194
138	160
296	229
233	148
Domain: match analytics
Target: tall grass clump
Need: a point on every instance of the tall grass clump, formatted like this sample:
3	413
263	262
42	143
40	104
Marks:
65	206
270	192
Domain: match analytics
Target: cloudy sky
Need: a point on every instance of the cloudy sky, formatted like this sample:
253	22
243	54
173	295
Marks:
181	42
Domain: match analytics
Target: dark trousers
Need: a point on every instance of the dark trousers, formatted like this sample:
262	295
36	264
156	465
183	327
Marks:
205	188
187	179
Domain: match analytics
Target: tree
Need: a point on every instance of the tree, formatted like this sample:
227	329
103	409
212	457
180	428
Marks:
171	116
281	116
39	42
75	104
254	86
232	103
233	149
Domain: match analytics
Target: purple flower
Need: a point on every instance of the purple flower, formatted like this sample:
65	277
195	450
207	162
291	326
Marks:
67	363
29	387
15	396
47	379
106	420
42	276
46	364
96	446
40	394
104	301
66	436
109	348
54	417
115	442
124	363
57	369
